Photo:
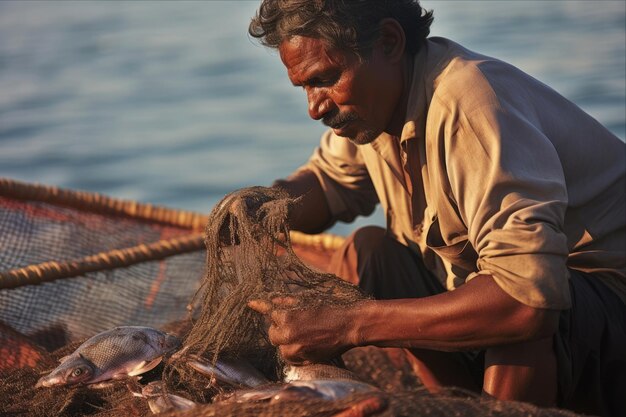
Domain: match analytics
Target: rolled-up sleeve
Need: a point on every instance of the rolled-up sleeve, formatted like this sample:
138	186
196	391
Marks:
342	173
508	181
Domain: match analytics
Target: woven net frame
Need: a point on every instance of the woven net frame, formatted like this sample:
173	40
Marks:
73	263
83	201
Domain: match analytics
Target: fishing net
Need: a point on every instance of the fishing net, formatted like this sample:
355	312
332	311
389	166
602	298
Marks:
73	264
249	256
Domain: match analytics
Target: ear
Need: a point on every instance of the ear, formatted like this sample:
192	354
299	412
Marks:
391	39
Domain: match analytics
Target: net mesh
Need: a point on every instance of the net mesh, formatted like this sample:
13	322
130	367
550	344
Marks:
51	314
248	254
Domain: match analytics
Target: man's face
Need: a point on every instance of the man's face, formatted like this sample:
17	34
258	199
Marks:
356	99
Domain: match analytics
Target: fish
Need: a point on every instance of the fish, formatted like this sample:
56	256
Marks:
326	389
319	381
160	401
323	389
315	371
260	393
118	353
234	372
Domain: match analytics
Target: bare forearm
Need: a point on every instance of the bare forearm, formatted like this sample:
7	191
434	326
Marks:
311	214
477	315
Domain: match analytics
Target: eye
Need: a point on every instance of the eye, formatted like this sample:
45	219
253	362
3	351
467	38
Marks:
323	82
78	374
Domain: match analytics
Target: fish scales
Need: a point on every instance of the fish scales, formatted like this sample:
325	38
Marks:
114	354
316	371
230	371
114	349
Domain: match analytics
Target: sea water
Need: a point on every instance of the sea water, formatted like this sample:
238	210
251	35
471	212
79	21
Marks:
172	103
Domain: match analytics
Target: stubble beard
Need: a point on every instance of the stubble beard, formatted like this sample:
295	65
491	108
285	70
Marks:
364	137
336	120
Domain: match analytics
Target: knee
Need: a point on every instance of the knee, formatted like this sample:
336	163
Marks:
521	354
358	250
522	372
368	240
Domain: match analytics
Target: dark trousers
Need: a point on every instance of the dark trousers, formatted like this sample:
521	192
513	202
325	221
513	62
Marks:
590	345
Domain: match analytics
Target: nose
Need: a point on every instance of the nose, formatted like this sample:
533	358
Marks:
319	104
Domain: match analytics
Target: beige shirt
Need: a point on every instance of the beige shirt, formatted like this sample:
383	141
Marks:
494	173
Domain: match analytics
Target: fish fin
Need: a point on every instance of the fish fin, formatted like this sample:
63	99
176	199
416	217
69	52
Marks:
144	367
156	406
181	403
40	383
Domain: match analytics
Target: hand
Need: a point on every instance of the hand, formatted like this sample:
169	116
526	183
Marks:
309	335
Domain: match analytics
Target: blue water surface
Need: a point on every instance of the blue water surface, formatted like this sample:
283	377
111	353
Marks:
171	103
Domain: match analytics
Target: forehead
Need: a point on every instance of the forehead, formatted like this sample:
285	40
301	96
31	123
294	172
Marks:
306	57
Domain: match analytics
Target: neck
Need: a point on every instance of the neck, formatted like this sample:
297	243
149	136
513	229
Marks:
399	114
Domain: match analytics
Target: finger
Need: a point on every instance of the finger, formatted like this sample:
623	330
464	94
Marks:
285	301
364	408
278	317
276	336
292	355
260	306
280	335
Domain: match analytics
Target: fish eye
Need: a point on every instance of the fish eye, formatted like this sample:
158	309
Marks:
77	372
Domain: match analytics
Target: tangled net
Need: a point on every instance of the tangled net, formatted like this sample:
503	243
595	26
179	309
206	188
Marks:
249	256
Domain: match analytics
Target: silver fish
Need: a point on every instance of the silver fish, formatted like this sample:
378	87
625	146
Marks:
327	389
235	372
272	393
114	354
160	402
261	393
314	372
322	381
324	389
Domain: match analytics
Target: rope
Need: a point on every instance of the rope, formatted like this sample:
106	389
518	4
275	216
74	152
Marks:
323	241
94	202
101	204
98	203
50	271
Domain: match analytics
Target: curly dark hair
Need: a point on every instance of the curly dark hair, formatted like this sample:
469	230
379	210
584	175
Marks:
350	25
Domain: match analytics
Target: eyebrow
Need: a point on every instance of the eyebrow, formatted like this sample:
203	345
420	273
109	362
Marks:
316	76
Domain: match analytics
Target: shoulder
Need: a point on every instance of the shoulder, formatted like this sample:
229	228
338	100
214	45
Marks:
464	80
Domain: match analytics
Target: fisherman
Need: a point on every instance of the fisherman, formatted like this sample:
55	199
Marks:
503	264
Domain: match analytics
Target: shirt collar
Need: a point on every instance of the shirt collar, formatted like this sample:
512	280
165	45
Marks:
427	66
416	105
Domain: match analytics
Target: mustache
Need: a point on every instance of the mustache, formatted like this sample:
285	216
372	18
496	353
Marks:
335	119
